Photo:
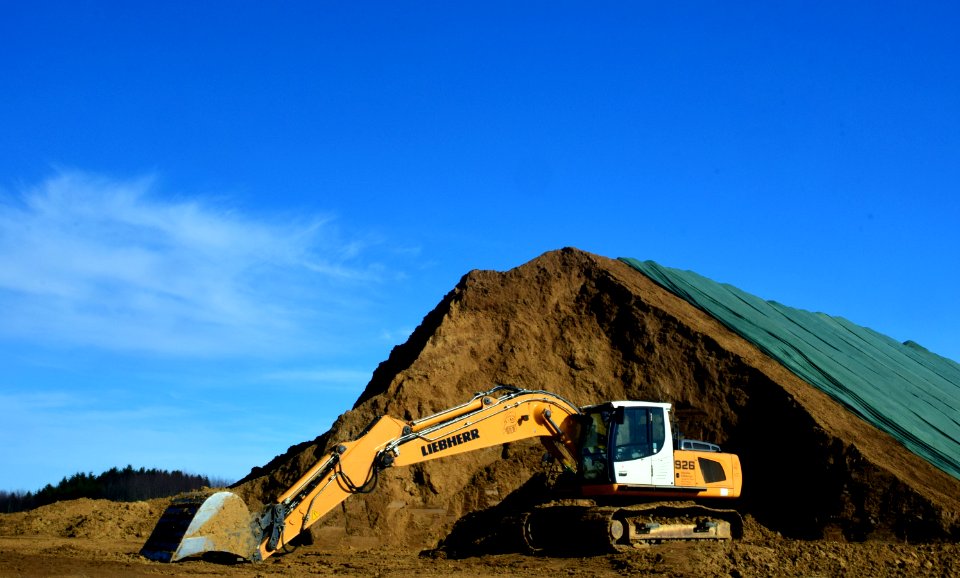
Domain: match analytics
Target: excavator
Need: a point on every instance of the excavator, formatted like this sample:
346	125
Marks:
633	482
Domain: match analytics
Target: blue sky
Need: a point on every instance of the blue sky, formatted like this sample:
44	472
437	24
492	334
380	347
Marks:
217	218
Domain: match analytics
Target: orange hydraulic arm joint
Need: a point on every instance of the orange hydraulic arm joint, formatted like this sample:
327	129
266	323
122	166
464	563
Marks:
501	415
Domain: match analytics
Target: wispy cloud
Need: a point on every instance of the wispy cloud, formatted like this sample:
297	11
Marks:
95	262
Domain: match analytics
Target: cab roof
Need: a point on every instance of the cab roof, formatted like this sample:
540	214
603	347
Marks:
612	404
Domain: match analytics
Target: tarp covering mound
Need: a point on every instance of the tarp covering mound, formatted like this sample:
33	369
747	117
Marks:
901	388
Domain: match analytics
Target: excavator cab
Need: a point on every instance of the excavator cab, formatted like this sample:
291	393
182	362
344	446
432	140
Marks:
627	442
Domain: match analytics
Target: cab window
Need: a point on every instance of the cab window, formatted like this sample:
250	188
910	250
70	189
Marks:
639	433
594	447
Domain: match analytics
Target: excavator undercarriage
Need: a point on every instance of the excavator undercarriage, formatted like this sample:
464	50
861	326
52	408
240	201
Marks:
582	527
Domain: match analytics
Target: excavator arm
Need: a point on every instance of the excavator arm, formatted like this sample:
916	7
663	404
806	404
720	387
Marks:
501	415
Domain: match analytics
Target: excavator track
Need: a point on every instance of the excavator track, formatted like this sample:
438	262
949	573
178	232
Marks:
582	527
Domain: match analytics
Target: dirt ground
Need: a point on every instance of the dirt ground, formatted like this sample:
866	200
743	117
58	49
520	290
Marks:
88	538
825	494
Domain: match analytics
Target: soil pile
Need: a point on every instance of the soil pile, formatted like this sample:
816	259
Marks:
593	329
85	518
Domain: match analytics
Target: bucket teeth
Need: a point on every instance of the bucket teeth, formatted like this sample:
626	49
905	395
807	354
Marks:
170	529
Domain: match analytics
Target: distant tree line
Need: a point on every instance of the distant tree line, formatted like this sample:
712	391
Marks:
120	485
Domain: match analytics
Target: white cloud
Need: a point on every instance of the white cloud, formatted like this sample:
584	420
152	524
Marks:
94	262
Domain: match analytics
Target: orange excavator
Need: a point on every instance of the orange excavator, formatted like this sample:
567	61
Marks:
633	481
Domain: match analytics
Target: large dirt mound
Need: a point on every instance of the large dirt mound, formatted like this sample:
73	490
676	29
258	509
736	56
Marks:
592	329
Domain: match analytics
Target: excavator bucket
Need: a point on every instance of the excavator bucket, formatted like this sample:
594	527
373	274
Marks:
218	525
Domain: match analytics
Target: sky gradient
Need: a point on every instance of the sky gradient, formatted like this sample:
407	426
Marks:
217	218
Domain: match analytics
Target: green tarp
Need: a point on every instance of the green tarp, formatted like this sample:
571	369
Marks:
901	388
